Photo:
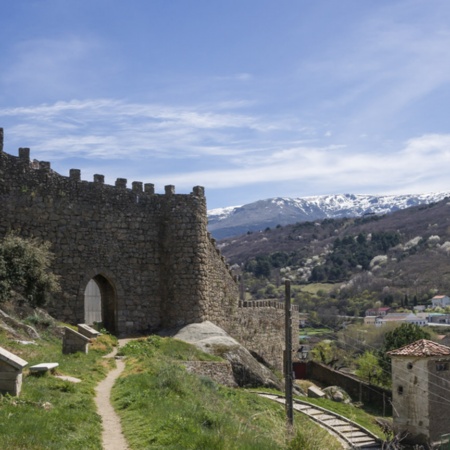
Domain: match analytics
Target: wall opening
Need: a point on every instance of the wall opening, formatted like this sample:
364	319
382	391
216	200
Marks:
92	303
100	303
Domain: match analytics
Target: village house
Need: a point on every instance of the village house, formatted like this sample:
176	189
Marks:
440	301
424	316
439	318
377	311
420	380
371	320
407	317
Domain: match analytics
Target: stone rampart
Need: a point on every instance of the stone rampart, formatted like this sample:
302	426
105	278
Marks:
359	390
259	326
150	254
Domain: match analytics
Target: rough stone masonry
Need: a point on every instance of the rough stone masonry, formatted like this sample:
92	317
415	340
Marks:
150	254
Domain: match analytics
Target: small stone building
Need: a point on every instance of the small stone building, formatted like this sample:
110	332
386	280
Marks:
420	391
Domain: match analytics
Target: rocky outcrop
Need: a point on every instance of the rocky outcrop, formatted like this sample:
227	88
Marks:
14	326
247	371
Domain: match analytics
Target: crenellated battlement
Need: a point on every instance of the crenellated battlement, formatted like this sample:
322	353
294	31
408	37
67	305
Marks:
39	175
266	304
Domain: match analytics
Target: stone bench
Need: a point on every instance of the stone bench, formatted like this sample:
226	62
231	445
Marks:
43	367
88	331
74	342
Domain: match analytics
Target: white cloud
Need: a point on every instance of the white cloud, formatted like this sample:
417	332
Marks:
115	129
219	149
336	169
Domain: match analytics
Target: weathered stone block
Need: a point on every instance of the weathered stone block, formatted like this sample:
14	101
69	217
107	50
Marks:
315	392
11	367
88	331
74	342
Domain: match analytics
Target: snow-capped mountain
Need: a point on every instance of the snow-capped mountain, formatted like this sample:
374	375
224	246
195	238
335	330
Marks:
237	220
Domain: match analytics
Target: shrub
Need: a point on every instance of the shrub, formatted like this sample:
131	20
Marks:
25	269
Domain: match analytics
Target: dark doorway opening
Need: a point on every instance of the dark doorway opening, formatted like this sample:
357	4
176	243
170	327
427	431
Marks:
100	303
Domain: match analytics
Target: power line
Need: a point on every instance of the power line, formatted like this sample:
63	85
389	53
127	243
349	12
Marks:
446	400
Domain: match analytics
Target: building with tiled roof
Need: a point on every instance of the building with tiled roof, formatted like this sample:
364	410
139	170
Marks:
378	311
421	348
420	391
407	317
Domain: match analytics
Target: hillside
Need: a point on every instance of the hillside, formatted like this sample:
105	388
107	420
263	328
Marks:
411	246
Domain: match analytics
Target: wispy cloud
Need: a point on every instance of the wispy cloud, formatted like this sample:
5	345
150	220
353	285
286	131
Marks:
335	169
219	149
117	129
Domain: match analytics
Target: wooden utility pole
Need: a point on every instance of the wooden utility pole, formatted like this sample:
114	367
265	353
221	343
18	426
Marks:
288	354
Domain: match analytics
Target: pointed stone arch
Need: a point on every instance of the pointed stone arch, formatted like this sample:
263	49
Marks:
109	295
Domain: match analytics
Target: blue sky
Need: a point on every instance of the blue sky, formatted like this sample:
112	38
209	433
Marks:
249	98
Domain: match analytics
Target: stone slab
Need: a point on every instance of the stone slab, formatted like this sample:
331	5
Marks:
88	331
43	367
68	378
11	359
315	392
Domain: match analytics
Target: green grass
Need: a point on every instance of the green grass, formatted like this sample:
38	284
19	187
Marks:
313	288
163	406
308	331
51	413
350	411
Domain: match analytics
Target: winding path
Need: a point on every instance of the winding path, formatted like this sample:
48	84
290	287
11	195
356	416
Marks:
112	436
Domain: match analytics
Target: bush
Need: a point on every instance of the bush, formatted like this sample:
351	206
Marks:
25	269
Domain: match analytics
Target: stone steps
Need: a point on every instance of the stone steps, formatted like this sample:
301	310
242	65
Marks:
354	435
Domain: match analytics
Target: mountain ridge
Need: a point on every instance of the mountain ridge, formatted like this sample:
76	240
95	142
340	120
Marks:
256	216
362	259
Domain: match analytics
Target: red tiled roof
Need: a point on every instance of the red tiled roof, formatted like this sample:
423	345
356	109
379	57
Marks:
423	347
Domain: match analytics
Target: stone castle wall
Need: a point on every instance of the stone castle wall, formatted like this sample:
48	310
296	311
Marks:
150	254
260	327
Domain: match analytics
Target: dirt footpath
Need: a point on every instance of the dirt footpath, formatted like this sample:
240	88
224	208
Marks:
112	436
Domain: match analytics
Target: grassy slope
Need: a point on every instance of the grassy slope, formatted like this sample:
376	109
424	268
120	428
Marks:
51	413
162	406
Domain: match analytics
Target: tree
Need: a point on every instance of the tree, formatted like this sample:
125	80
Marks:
405	334
369	367
328	353
25	269
262	268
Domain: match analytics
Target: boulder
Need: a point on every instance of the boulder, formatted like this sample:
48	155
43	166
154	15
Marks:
337	394
10	322
210	338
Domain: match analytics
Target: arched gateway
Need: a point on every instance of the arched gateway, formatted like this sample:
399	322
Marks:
100	303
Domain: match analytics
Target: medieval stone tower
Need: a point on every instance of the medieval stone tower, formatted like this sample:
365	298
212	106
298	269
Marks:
149	255
420	391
